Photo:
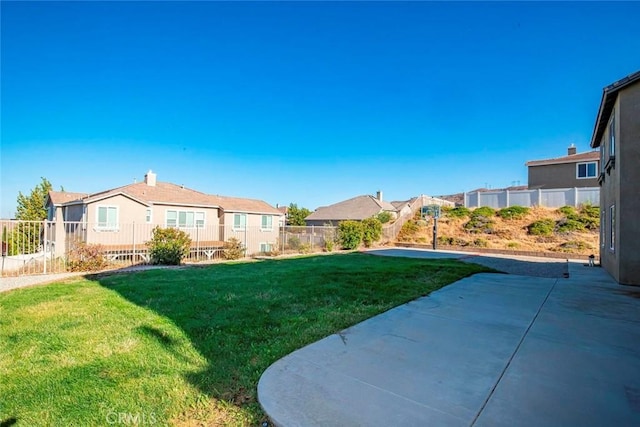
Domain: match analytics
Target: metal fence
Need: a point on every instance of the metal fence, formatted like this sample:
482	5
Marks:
553	197
36	247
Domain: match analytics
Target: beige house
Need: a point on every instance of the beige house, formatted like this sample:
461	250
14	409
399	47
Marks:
617	136
570	171
356	208
122	219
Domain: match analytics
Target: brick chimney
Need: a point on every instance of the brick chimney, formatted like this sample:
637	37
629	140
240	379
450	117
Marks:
150	179
572	149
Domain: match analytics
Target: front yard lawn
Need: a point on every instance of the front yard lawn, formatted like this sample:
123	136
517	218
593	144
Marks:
186	346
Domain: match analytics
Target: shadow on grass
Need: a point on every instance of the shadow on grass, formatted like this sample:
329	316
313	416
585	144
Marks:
243	317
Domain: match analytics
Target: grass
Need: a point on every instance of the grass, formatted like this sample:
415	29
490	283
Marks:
186	346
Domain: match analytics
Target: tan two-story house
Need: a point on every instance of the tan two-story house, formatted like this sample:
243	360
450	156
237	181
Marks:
570	171
122	219
617	136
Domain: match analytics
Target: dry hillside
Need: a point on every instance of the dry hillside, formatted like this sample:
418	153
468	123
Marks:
564	230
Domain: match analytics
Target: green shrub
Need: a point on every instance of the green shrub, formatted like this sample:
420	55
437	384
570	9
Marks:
350	234
590	223
572	246
568	211
451	241
86	257
590	211
569	224
457	212
168	246
294	243
479	224
232	249
480	242
513	245
328	245
305	248
484	211
384	217
542	227
513	212
371	231
408	231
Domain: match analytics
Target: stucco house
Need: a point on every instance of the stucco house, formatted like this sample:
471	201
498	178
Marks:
356	208
122	219
570	171
617	135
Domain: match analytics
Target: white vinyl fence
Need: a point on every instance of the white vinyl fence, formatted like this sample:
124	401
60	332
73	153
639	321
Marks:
34	247
552	198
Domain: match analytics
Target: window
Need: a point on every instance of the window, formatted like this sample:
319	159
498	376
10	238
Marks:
612	227
239	221
612	135
108	217
267	223
265	247
185	219
587	170
51	213
148	216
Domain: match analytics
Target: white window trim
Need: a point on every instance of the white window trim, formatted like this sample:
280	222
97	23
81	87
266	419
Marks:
178	211
269	228
587	170
107	227
612	134
150	220
241	228
268	244
612	228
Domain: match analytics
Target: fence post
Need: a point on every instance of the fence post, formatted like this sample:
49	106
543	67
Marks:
575	196
133	231
539	197
507	196
44	245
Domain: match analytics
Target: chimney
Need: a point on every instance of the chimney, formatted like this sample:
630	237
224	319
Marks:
379	195
150	179
572	149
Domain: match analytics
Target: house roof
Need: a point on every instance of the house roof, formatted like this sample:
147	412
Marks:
609	95
169	194
357	208
573	158
61	197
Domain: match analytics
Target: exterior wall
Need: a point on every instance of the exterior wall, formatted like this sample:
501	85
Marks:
562	175
620	188
253	236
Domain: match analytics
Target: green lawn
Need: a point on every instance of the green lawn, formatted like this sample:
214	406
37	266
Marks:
184	346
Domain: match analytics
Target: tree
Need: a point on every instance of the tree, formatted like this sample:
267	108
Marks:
297	215
31	207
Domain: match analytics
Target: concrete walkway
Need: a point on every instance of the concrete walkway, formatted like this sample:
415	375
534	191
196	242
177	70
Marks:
488	350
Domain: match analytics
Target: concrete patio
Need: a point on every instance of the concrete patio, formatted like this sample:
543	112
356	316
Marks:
488	350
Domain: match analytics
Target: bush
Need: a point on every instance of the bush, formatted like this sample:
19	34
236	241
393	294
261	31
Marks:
384	217
305	248
542	227
513	245
484	211
479	224
350	234
371	231
458	212
573	246
568	211
569	224
480	243
451	241
232	249
590	211
328	245
86	257
294	243
408	231
168	246
513	212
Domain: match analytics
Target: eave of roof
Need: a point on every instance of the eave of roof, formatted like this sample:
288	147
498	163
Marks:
609	95
573	158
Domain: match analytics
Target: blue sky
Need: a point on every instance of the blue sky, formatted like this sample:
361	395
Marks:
304	102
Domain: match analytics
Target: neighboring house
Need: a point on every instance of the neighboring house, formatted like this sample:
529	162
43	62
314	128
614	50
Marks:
124	216
617	135
572	170
357	208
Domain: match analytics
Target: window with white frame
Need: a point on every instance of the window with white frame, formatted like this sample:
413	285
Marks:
107	217
239	221
265	247
587	170
267	223
184	219
148	216
612	135
612	227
